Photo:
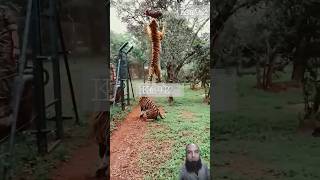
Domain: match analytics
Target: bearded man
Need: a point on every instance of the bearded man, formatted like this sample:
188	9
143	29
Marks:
194	169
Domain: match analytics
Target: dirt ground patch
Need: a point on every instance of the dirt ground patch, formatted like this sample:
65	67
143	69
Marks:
81	166
187	115
125	144
185	133
283	86
246	167
129	146
155	153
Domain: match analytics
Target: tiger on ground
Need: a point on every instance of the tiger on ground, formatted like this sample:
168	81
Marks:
149	109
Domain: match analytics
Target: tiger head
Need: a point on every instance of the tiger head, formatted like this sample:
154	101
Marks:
143	115
153	25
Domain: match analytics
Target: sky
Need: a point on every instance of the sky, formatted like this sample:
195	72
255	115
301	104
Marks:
115	23
119	27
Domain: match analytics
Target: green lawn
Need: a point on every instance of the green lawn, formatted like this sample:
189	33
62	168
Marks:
187	121
263	131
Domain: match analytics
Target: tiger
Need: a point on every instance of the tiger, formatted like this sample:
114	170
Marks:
156	37
148	109
9	49
100	125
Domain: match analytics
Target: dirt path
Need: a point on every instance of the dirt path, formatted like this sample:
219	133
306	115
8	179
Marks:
81	166
125	146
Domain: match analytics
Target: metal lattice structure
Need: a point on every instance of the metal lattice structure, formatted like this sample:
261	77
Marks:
123	74
32	37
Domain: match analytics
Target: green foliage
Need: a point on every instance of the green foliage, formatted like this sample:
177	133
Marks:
263	131
117	40
268	27
181	33
187	121
28	164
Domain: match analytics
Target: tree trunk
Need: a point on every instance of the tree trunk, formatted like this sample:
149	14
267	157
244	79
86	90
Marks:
271	55
258	75
170	79
177	70
264	77
299	61
269	76
207	97
298	71
316	102
203	83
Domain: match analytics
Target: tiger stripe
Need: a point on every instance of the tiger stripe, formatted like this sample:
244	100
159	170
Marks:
149	108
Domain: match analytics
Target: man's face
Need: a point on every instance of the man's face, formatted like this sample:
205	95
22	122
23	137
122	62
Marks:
193	153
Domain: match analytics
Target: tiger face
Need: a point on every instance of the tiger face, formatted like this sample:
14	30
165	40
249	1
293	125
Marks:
150	114
154	25
148	109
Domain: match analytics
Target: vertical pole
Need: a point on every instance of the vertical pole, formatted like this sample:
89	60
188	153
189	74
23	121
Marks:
55	67
7	169
38	14
122	80
40	106
66	62
127	86
122	95
117	79
39	86
131	83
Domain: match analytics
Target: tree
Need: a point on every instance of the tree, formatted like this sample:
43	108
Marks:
117	40
92	15
202	66
223	10
302	21
182	34
279	34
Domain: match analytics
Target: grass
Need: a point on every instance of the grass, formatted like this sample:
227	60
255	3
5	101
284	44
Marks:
187	121
28	164
264	128
116	113
117	116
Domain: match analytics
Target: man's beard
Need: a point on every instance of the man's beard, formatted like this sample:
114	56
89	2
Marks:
193	166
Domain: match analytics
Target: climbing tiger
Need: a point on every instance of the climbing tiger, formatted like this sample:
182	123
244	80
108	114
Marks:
149	110
100	125
156	37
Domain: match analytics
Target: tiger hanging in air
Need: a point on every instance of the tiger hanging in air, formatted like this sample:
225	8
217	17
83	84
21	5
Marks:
156	37
149	110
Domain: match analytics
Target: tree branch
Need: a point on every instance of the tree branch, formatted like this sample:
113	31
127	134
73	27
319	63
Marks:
196	34
245	4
